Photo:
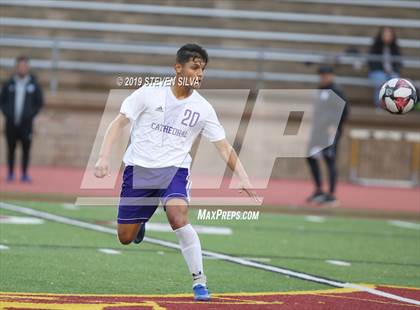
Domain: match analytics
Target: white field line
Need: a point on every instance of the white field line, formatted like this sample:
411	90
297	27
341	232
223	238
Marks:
3	247
109	251
201	229
337	262
403	224
21	220
70	206
315	219
255	259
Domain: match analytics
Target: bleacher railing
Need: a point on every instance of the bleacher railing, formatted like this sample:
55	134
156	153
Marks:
259	55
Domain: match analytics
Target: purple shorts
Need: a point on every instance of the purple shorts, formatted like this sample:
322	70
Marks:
144	188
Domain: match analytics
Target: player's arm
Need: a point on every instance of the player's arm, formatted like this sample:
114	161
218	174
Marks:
113	132
229	155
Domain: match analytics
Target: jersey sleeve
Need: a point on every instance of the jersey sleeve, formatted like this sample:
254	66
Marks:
134	104
213	130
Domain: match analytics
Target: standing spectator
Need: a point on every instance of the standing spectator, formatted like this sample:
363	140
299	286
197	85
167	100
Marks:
328	113
20	101
385	63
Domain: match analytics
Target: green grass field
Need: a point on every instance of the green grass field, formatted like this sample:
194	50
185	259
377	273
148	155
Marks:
59	258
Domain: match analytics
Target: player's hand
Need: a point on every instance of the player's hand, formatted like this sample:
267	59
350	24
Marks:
102	168
246	186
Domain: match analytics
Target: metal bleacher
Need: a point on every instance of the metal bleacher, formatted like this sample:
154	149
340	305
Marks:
90	43
78	49
381	3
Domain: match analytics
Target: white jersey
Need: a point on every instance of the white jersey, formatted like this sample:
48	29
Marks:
164	128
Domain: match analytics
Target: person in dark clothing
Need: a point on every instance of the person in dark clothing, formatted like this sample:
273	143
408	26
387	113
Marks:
325	132
20	101
385	62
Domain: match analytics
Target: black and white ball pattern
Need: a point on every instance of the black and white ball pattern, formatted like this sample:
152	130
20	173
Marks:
398	96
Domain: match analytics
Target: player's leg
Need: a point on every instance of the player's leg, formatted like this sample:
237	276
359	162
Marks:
316	176
132	221
332	173
175	201
127	232
11	150
26	138
136	207
177	214
330	155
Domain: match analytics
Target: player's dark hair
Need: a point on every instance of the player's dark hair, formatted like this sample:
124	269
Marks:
22	58
191	50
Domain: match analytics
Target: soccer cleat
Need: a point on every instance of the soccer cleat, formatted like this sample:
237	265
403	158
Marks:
140	234
330	200
316	197
26	179
201	293
10	177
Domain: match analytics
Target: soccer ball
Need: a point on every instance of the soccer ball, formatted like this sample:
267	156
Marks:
398	96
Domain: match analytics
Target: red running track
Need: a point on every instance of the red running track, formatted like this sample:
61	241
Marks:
66	181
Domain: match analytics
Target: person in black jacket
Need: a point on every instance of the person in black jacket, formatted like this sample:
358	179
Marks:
327	109
384	63
20	101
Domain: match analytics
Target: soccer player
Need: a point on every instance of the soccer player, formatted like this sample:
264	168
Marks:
165	122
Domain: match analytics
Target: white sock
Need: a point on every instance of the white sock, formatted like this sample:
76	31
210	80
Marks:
191	250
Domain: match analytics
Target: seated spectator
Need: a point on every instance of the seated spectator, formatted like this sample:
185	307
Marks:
382	62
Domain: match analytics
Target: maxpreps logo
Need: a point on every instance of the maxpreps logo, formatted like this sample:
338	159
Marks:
219	214
282	123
